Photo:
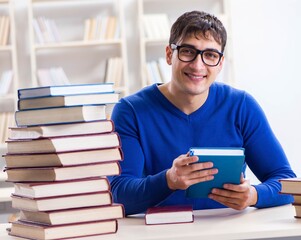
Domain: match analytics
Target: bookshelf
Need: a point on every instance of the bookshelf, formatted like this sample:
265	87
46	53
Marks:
152	43
77	38
8	66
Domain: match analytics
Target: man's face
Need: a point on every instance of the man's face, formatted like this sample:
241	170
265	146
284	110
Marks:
193	78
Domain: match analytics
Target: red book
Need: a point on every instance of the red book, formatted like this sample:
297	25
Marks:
169	214
48	174
66	231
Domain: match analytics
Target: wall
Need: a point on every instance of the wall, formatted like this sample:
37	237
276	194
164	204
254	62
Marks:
266	36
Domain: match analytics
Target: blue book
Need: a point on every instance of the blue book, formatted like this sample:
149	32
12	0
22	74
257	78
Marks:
228	161
65	90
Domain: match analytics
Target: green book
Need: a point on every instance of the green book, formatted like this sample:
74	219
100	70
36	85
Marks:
228	161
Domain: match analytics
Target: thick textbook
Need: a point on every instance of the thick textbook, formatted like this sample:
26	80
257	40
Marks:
290	185
68	100
65	90
61	202
169	214
67	231
87	214
297	210
47	174
69	187
64	144
228	161
60	115
57	130
63	158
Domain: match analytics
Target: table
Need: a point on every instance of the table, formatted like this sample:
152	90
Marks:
221	224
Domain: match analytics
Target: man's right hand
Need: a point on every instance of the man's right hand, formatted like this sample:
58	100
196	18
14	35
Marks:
183	173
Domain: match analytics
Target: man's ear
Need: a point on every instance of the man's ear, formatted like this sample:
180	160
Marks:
168	54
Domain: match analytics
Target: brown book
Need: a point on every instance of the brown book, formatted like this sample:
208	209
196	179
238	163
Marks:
50	189
68	216
68	231
290	185
169	214
68	100
60	115
297	198
58	130
64	144
62	202
63	158
47	174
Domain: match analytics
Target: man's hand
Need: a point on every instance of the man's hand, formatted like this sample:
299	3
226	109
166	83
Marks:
183	174
236	196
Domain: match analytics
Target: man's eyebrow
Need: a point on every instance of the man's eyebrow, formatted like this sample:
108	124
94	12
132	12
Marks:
191	46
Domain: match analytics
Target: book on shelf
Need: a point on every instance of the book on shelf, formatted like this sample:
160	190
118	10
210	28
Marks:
63	158
66	231
87	214
61	115
65	90
6	120
51	189
113	71
156	26
45	30
228	161
297	207
46	174
6	82
59	130
54	76
4	30
64	144
68	100
62	202
169	214
290	185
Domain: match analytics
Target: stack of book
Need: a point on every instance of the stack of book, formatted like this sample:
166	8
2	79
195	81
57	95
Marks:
59	157
292	186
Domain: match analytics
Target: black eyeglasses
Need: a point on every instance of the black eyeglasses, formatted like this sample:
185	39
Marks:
210	57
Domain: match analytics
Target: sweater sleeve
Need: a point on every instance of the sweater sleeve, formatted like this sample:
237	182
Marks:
132	188
264	155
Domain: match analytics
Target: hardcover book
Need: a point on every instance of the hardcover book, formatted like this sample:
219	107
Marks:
60	115
297	210
47	174
68	100
228	161
64	144
169	214
63	158
67	231
58	130
65	90
290	185
62	202
86	214
69	187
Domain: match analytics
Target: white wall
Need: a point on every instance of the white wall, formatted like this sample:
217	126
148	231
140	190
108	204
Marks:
267	49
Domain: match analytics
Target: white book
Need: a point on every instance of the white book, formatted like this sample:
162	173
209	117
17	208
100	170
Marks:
38	32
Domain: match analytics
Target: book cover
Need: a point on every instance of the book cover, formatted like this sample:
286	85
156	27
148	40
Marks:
59	115
62	202
47	174
65	90
68	187
63	158
64	143
169	214
57	130
68	100
70	231
87	214
228	161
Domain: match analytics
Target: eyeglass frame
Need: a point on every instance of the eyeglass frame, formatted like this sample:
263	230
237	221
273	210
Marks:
174	46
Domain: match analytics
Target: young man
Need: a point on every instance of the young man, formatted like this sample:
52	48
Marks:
160	123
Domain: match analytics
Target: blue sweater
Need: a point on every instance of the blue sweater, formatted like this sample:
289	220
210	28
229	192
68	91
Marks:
154	132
